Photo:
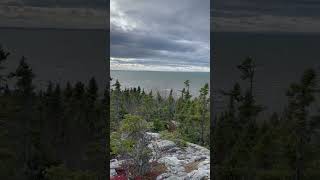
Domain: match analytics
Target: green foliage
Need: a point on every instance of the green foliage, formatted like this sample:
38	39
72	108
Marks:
175	137
191	113
133	125
134	112
159	125
281	147
115	143
130	142
120	146
43	129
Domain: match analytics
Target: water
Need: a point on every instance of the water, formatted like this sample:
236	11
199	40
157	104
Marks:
281	59
80	54
161	81
58	55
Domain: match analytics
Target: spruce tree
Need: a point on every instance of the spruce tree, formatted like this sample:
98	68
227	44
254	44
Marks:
300	97
3	57
204	109
24	89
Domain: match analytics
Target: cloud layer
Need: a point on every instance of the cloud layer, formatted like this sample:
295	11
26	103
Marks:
160	35
78	14
301	16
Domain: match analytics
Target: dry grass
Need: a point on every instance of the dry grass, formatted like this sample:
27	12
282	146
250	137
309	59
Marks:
159	168
191	166
156	170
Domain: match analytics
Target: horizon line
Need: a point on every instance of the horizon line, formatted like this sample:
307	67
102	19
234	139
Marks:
155	70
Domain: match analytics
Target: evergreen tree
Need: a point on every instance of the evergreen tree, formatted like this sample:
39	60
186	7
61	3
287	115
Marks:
24	77
300	97
3	57
204	109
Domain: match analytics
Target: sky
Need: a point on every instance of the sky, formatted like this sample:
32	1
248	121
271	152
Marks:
60	14
287	16
166	35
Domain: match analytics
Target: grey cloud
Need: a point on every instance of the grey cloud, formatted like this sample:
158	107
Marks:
150	42
44	17
78	14
161	32
124	51
98	4
266	15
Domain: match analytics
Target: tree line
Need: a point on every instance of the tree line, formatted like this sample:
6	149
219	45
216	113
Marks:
134	111
53	133
192	114
284	146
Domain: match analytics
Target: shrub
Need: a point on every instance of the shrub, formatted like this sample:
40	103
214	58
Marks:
175	137
131	142
159	125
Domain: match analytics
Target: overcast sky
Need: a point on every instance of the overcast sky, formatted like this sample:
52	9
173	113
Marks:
166	35
75	14
301	16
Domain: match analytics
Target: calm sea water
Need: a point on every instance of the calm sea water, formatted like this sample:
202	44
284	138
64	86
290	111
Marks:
58	55
281	59
161	81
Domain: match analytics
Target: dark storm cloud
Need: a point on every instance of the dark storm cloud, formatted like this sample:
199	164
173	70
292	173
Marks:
82	14
149	42
267	15
160	33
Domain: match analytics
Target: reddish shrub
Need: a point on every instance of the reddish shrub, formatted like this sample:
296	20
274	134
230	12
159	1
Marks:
121	172
138	178
119	178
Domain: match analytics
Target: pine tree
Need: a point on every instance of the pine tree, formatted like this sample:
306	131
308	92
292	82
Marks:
91	110
187	92
247	69
24	76
171	105
92	90
3	57
67	92
204	109
117	102
300	97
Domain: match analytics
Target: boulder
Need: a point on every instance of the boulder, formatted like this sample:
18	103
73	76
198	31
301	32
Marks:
113	172
204	165
199	174
165	145
153	136
175	159
114	163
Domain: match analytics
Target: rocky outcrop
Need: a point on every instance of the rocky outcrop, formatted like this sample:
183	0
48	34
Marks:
191	162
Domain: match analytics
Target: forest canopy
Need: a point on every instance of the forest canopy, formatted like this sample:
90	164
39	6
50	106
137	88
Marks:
53	133
283	146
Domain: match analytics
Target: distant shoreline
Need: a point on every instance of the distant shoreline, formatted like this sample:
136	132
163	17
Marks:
162	71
